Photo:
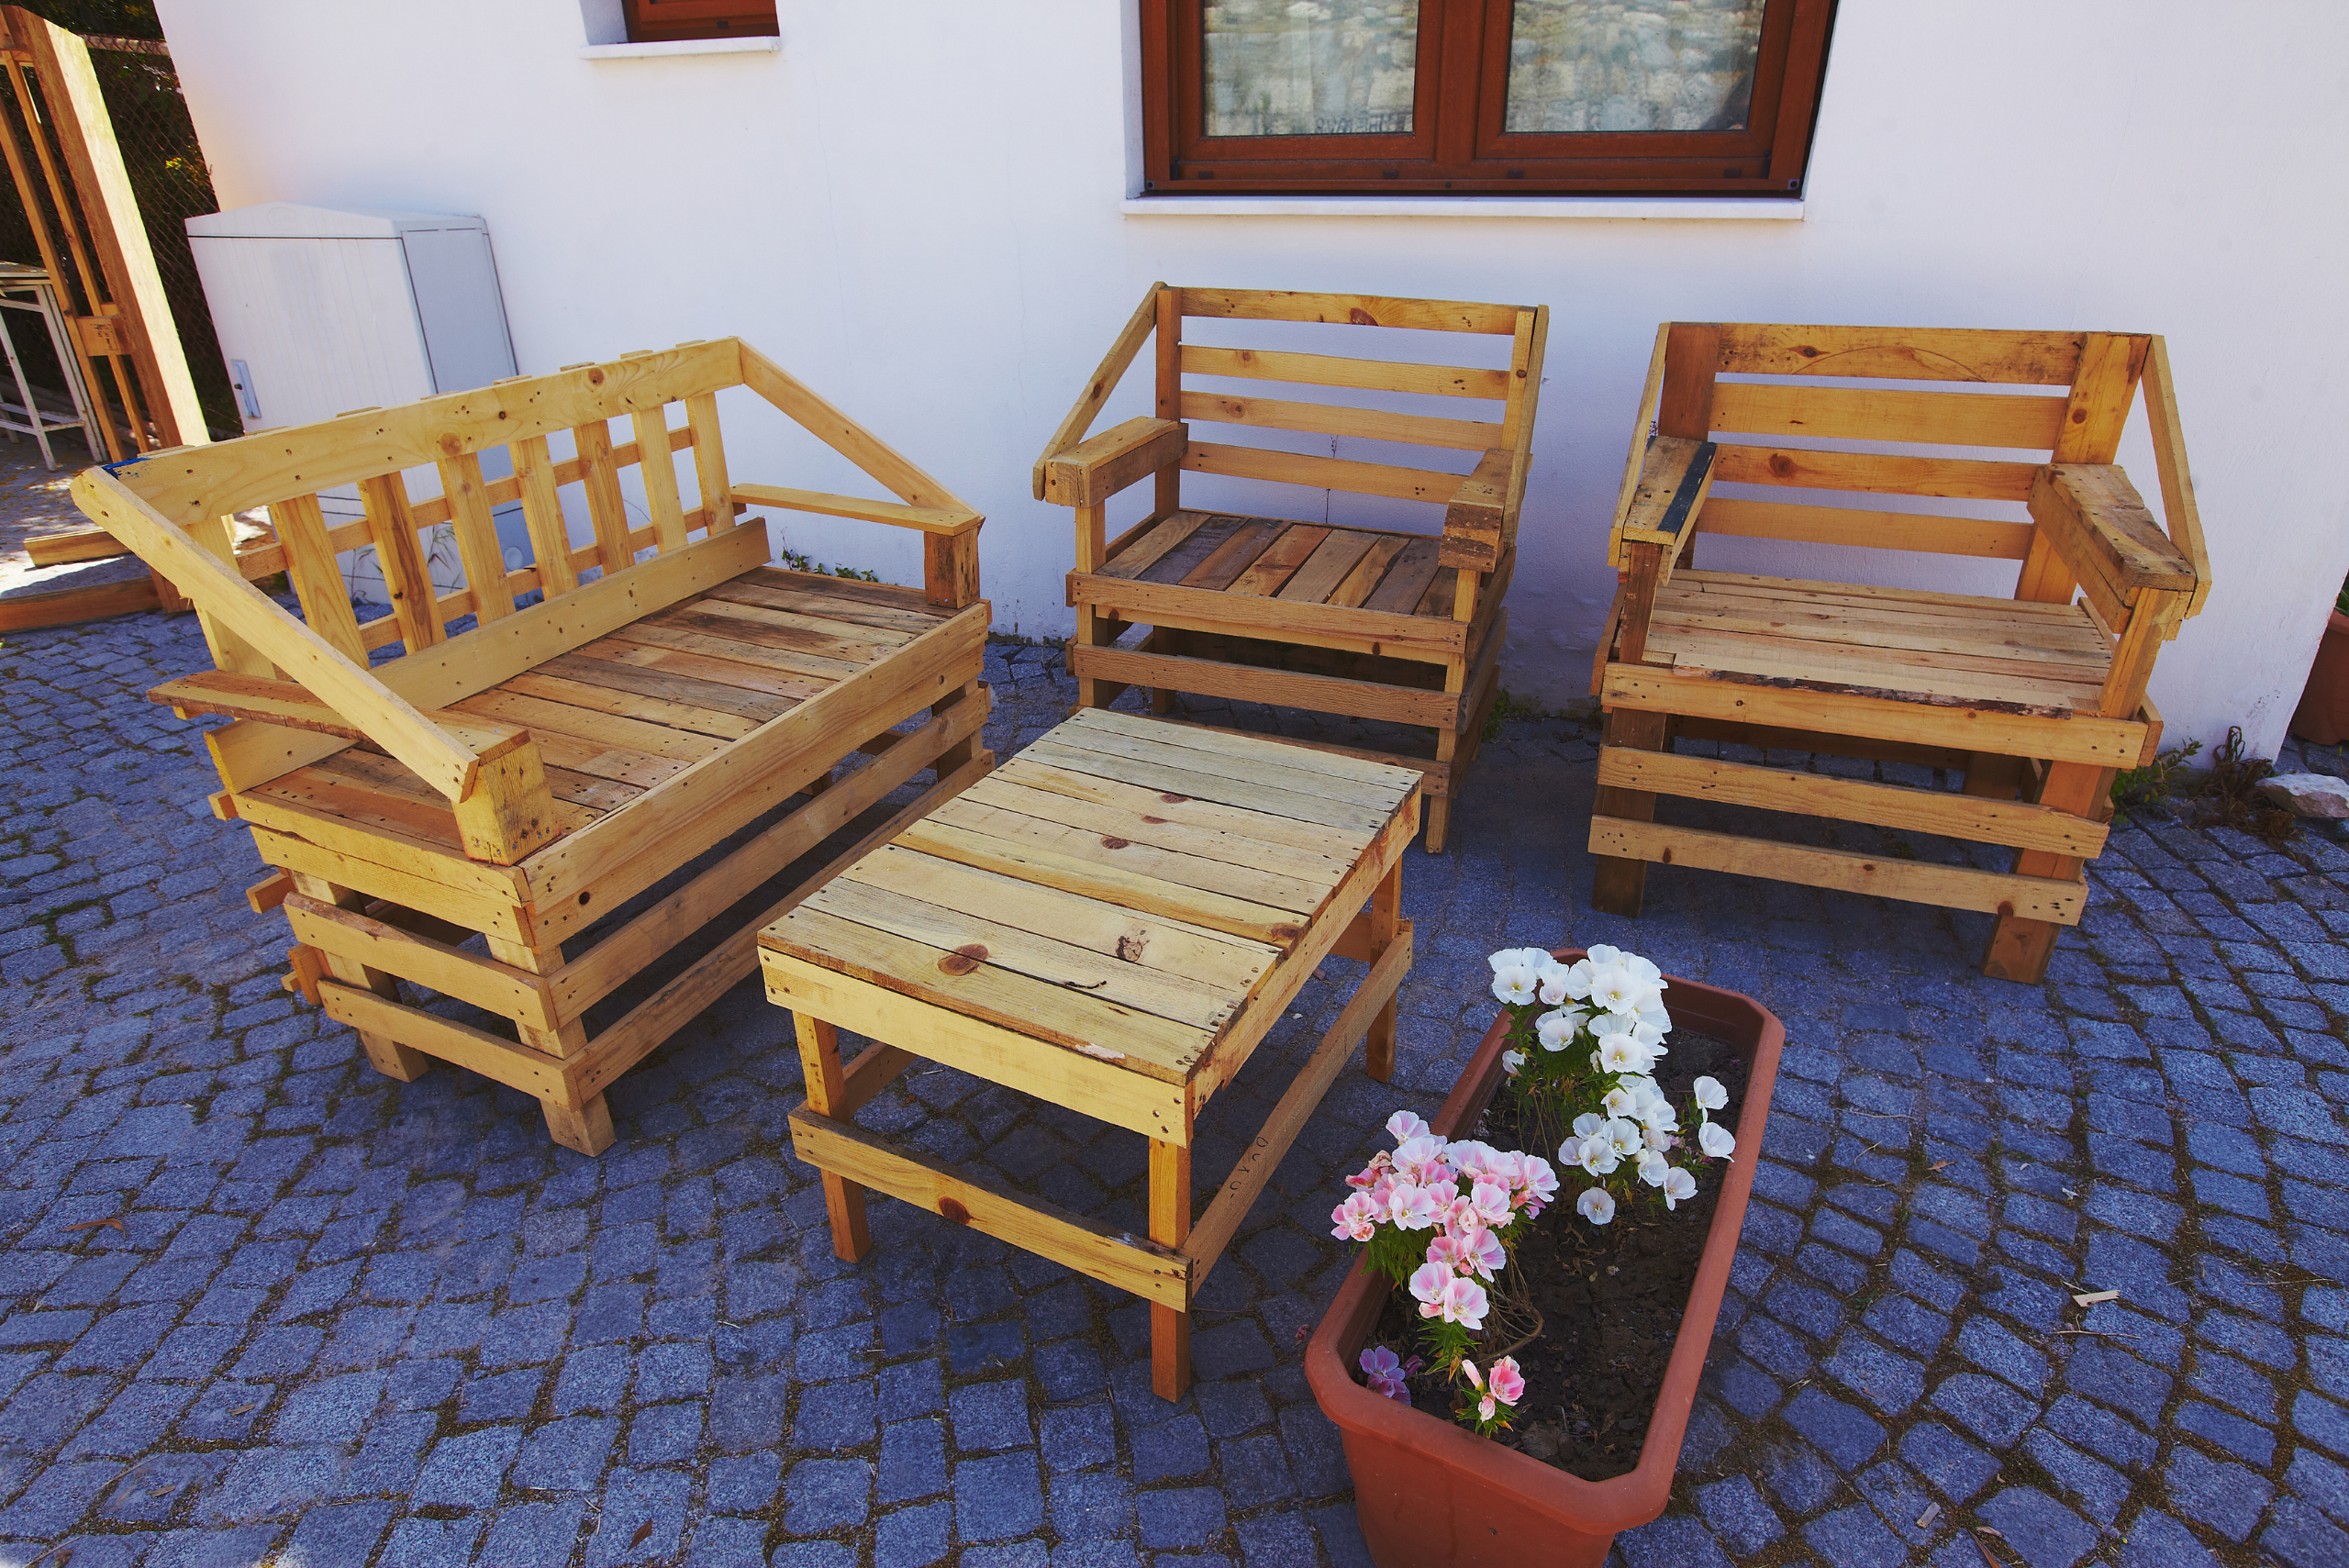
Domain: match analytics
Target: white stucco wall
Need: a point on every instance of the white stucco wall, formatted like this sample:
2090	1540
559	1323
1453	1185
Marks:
916	207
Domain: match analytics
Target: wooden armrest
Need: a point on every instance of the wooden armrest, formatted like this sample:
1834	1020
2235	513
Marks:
1098	467
1474	518
1673	485
929	520
2098	523
288	702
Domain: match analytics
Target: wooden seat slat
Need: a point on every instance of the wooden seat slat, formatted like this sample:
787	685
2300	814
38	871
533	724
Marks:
689	693
735	673
1235	555
1289	549
782	607
583	789
1147	988
1407	581
1124	1037
1369	571
542	716
1846	668
1191	783
1231	844
364	804
1371	794
1195	546
1166	805
1029	897
1270	753
1143	553
1923	601
713	722
718	637
780	629
798	591
599	761
1064	834
1327	566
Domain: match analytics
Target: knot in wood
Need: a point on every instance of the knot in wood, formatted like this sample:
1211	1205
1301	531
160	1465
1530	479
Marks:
965	958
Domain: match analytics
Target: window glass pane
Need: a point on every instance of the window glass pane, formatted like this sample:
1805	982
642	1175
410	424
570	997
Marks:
1310	67
1654	65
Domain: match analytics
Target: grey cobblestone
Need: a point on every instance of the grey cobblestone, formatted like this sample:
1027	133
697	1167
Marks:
354	1321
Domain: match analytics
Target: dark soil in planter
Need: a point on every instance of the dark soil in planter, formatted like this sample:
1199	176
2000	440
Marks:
1610	1296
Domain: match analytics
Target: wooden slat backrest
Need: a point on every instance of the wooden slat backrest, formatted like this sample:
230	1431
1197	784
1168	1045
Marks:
1500	398
1748	387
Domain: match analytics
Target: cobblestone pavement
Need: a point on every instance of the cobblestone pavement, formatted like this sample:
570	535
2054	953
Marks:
344	1320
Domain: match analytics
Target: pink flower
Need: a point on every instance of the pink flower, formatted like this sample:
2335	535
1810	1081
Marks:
1506	1382
1448	1253
1481	1252
1402	1127
1410	1207
1429	1282
1540	1181
1457	1299
1491	1202
1356	1219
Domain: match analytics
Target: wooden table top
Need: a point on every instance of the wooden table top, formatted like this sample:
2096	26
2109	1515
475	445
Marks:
1122	887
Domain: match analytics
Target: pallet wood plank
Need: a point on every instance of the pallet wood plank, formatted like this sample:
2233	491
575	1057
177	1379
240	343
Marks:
1184	556
1979	819
1369	571
1288	551
1295	851
1956	478
1287	688
1148	773
810	634
1935	533
1428	485
824	617
1270	753
545	717
2029	421
623	704
1327	566
1337	419
1366	375
735	674
1902	354
1415	567
1241	764
1105	1252
1235	555
1296	897
485	983
1352	309
2057	901
462	488
690	694
1145	553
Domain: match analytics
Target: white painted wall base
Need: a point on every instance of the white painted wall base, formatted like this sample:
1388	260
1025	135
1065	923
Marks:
922	209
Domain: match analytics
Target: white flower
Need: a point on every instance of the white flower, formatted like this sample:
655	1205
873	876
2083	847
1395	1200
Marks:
1678	1186
1525	958
1616	1102
1716	1140
1643	972
1613	989
1511	1061
1578	980
1621	1053
1653	1168
1554	980
1601	956
1586	1126
1514	983
1596	1155
1596	1205
1659	1139
1710	1094
1626	1137
1402	1126
1557	1029
1659	1116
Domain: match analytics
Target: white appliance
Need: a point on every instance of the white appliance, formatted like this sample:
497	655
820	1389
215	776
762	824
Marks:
321	310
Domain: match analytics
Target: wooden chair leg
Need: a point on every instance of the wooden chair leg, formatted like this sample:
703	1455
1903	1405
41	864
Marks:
1620	885
586	1127
2019	948
1170	1226
963	751
559	1041
384	1054
1385	917
820	1061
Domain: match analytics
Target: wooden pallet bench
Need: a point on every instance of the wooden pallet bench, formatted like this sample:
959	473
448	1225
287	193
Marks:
2037	700
468	818
1374	623
1111	922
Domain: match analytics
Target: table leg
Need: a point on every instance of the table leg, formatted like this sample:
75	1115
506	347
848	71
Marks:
1170	1226
1386	918
819	1061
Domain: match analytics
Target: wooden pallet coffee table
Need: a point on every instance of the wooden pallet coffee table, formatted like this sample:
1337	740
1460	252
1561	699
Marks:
1110	921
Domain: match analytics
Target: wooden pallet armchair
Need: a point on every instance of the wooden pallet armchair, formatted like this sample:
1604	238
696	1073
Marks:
2036	699
1369	622
459	817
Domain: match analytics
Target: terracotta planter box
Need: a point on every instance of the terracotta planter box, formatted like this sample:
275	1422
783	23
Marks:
1430	1493
2324	714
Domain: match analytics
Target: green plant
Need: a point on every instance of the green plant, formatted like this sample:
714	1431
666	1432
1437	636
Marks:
2230	796
2145	792
798	563
1507	704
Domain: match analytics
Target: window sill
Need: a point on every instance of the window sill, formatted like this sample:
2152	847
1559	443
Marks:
1771	208
762	44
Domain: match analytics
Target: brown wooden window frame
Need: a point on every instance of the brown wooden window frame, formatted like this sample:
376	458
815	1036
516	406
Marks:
669	21
1457	145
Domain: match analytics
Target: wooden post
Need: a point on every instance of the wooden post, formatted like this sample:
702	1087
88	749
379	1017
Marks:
509	810
1385	919
385	1054
1092	529
950	568
1620	885
963	751
2021	948
820	1064
1170	1226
